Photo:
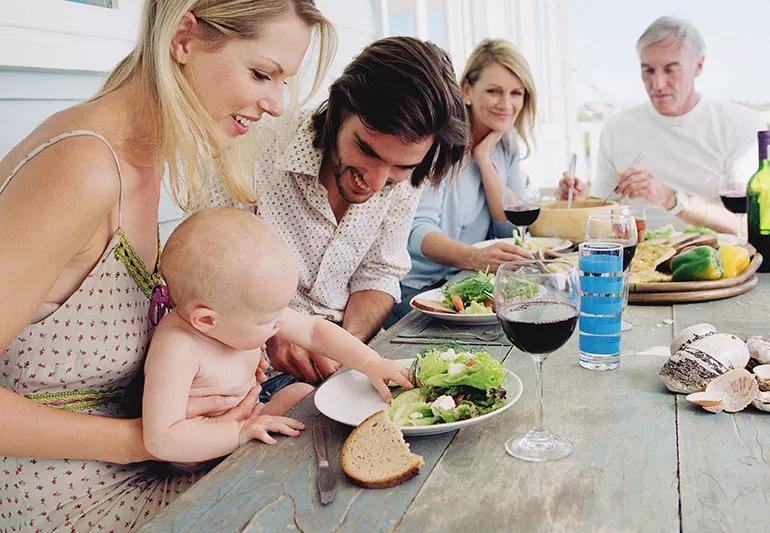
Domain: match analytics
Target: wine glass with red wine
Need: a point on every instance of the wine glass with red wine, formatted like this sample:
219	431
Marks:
618	228
733	195
537	304
523	212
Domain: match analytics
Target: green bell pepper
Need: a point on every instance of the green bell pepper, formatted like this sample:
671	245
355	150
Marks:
700	263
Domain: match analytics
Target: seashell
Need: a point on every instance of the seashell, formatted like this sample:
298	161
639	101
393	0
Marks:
762	373
759	349
691	334
730	392
762	400
691	368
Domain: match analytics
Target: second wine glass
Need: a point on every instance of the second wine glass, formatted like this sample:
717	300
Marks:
523	212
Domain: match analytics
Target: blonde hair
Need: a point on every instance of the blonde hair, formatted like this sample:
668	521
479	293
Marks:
504	53
188	143
226	258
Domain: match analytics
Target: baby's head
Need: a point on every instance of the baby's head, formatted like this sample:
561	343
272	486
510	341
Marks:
229	275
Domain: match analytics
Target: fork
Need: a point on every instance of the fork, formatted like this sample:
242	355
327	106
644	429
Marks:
487	335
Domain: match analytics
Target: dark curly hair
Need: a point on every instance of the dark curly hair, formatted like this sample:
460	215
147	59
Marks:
405	87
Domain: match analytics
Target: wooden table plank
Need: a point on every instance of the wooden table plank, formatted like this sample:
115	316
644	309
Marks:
725	479
263	487
622	475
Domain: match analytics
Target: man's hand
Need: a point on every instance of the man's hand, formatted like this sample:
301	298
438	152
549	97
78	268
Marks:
579	193
304	365
639	182
492	257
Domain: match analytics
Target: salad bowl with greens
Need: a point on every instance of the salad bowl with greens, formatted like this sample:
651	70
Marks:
456	386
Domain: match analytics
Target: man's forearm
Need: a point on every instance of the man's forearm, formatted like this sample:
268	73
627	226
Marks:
365	313
716	217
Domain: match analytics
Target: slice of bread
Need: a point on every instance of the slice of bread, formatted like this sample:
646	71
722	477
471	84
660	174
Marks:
433	306
375	455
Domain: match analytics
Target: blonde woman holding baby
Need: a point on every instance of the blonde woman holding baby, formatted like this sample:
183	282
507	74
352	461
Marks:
79	246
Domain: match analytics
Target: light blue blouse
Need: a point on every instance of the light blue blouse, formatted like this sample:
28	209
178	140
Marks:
458	209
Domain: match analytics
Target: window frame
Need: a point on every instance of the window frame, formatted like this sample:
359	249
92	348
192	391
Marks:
61	35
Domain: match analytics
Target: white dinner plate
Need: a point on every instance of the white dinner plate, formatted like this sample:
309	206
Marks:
533	243
434	295
349	398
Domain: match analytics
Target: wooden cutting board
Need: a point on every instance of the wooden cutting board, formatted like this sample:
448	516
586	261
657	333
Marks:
688	286
693	296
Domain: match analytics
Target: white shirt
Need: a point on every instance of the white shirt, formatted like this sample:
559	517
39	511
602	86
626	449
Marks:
365	251
689	153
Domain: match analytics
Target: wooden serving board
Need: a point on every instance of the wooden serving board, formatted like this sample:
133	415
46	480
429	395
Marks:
693	295
689	286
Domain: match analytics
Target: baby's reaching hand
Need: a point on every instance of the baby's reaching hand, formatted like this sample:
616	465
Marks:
380	371
259	427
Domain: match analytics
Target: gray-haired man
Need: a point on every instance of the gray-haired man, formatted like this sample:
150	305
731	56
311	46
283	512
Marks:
691	142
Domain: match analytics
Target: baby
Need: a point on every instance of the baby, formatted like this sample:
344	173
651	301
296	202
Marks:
231	279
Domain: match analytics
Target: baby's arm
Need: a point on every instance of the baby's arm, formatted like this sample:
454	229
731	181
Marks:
317	335
172	363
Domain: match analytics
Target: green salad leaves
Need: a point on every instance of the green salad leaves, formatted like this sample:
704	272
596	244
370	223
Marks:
478	288
451	385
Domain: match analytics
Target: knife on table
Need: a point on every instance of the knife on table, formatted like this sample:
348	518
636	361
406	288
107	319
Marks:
326	479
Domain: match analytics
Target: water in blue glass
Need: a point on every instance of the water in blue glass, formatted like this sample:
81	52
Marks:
601	304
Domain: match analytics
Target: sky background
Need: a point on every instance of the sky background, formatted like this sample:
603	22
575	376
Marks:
604	34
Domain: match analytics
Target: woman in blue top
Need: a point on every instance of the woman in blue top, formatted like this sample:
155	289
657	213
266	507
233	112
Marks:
500	98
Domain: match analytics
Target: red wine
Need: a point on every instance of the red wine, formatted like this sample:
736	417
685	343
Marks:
641	227
628	255
522	215
538	327
734	201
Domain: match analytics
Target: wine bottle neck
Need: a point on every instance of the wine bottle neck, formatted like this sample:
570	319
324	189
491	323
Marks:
763	139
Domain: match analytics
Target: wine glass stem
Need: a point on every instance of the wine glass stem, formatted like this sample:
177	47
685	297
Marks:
522	233
538	359
742	228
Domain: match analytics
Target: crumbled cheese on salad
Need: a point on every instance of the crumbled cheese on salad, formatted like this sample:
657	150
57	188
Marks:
449	355
455	368
442	402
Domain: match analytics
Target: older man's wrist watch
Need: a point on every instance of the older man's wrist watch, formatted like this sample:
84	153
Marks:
681	200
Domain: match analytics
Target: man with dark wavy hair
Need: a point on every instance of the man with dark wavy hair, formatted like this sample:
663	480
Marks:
343	188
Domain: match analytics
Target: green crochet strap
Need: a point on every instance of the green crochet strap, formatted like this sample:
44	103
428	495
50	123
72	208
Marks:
77	400
136	268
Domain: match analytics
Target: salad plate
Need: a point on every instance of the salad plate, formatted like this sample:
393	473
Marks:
533	244
436	296
349	398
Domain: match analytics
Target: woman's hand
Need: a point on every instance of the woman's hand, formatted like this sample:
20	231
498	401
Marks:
491	257
381	371
229	406
482	152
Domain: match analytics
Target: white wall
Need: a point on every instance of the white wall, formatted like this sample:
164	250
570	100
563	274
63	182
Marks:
55	53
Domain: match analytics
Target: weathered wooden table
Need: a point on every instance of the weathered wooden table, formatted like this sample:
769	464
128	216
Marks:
644	459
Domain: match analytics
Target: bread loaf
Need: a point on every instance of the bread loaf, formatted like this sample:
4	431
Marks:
375	455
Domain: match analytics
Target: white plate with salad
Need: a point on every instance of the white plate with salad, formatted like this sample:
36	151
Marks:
533	244
450	397
469	300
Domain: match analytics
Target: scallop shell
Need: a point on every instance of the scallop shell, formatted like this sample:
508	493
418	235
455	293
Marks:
691	368
759	349
730	392
762	400
691	334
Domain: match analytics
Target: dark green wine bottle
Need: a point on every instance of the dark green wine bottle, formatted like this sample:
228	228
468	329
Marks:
758	200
